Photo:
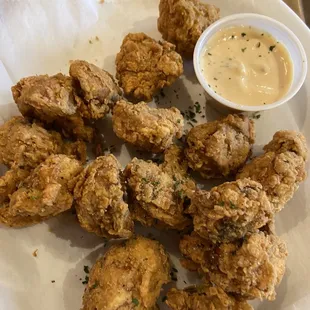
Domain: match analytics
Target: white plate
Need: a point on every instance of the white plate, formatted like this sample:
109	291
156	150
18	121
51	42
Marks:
41	37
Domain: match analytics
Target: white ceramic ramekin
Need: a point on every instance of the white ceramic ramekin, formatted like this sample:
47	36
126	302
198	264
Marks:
277	30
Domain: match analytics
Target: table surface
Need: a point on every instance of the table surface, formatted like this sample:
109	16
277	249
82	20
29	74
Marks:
302	8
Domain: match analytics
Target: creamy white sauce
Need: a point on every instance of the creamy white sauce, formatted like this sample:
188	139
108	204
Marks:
247	66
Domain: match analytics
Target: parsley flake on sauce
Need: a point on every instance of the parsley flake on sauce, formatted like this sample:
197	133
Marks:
271	48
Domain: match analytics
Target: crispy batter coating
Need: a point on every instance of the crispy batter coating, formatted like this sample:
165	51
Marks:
147	128
10	181
162	191
220	148
129	276
144	66
50	99
204	297
182	22
26	145
45	193
288	141
251	267
281	169
95	90
99	199
231	210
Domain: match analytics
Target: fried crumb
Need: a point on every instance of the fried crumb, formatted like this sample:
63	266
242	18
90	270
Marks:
35	253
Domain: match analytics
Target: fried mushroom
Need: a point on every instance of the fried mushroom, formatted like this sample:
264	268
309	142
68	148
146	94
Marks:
50	99
231	210
220	148
182	22
163	191
95	90
46	192
145	66
99	199
129	276
250	268
147	128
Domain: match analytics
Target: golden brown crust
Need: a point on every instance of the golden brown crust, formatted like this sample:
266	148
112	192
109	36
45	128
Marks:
50	99
288	141
95	90
26	145
220	148
204	297
45	193
250	268
182	22
147	128
230	210
129	276
162	191
10	181
99	199
144	66
280	174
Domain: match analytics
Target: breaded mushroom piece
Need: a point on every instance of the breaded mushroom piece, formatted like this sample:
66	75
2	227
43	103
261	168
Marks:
10	181
162	191
147	128
204	297
95	90
46	192
281	169
220	148
229	211
99	199
144	66
182	22
250	268
50	99
129	276
288	141
26	145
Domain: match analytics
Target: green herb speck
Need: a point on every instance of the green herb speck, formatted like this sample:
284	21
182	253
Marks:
96	284
243	34
209	54
222	204
86	280
135	301
86	269
178	121
164	299
174	269
258	44
243	50
271	48
232	206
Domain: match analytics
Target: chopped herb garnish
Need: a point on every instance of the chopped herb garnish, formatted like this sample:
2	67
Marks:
174	278
155	183
271	48
243	50
194	120
229	78
209	85
209	54
144	180
86	269
215	79
197	107
164	299
135	301
174	269
96	284
258	44
259	55
34	197
178	121
233	36
53	281
262	34
243	34
222	204
86	280
189	123
232	206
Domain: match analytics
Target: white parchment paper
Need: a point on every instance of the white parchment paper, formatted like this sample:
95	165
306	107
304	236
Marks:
42	36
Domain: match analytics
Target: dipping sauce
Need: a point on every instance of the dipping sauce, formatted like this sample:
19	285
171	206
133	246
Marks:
247	66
